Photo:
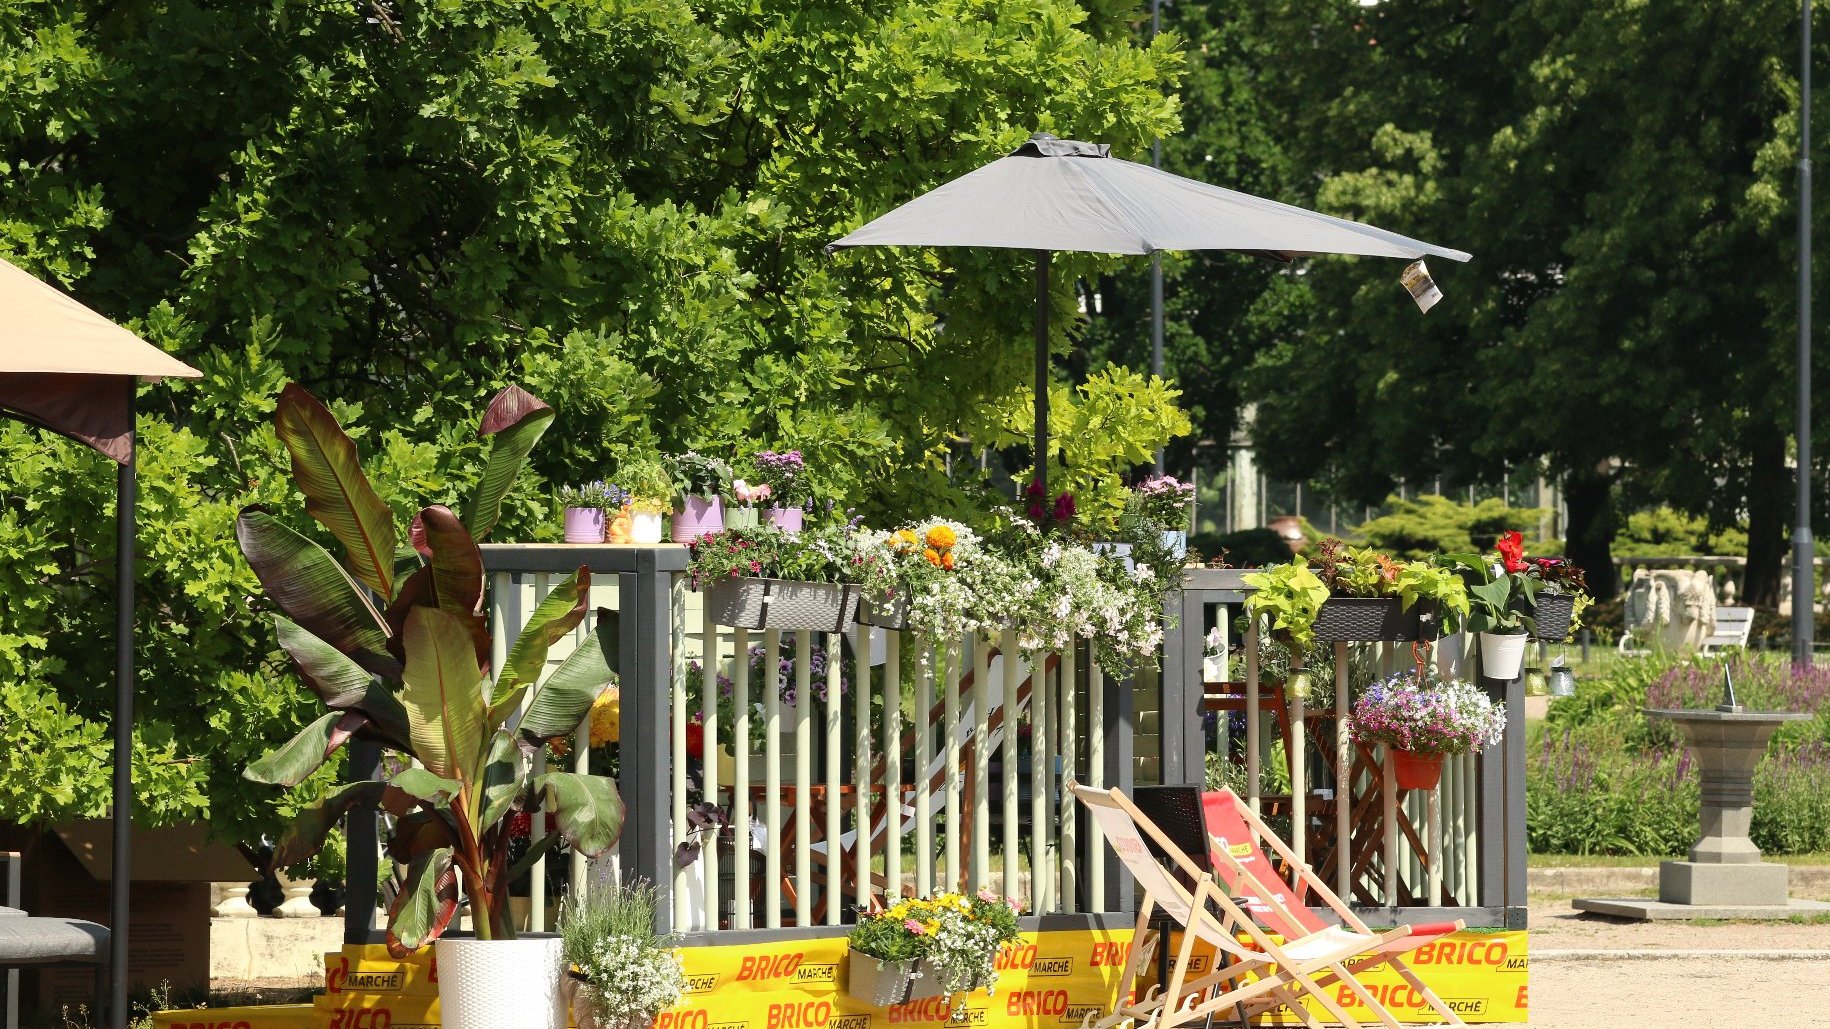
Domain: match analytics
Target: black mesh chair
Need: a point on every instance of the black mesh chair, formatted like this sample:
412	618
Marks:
1177	811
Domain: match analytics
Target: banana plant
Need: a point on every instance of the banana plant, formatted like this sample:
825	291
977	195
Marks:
399	652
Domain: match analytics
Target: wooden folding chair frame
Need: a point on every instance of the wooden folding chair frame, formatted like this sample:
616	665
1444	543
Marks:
1381	951
1278	972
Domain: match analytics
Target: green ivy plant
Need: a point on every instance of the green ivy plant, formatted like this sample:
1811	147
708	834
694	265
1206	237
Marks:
1292	595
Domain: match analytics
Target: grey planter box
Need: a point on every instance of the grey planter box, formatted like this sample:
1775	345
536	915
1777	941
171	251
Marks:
894	615
886	983
758	603
1367	620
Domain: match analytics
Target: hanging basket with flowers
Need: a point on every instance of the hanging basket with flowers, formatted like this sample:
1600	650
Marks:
1423	717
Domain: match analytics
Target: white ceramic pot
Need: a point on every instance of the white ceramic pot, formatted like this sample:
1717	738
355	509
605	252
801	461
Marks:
1502	654
501	984
644	526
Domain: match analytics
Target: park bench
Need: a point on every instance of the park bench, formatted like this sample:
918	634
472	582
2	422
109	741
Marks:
28	941
1733	624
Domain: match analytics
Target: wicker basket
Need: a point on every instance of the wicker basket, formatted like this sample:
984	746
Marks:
1554	613
758	603
894	615
1365	620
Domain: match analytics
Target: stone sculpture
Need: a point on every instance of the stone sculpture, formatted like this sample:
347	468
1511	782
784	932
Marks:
1671	608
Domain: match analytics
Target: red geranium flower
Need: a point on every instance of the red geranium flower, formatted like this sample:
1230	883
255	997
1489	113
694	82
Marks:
1511	546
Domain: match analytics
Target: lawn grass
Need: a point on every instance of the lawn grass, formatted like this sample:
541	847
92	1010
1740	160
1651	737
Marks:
1637	861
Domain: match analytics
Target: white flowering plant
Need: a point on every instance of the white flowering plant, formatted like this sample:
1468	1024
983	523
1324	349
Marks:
1094	597
957	935
620	971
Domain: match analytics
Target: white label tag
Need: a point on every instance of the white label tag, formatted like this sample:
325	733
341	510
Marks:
1416	278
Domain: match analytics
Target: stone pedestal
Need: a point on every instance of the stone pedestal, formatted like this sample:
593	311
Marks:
1725	877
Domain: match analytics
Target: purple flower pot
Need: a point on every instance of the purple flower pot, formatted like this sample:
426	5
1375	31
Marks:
787	519
584	525
696	517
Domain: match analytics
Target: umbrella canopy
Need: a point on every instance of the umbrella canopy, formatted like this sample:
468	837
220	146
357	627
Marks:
1057	194
65	368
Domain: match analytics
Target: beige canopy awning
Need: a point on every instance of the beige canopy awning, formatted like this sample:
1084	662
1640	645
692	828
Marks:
68	369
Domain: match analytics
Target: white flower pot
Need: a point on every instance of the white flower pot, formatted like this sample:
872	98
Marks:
501	984
644	526
1502	654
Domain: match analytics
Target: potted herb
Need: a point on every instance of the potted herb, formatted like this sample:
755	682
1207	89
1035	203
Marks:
700	483
584	510
650	491
1163	502
1502	600
397	655
932	947
790	493
767	578
619	973
1363	603
1422	718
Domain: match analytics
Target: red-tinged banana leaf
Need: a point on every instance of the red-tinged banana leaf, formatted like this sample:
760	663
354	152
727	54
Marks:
342	684
425	904
561	701
516	418
443	693
312	589
420	831
314	822
304	754
456	563
337	493
586	809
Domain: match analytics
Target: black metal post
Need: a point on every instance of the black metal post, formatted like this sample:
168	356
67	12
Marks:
1042	259
1804	583
1156	259
119	887
362	862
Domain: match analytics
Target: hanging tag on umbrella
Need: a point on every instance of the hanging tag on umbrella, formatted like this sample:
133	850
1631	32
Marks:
1416	278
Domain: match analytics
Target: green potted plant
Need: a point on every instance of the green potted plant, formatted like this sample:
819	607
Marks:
1363	603
619	973
397	653
1292	596
1562	597
650	490
1423	718
767	578
1503	603
1438	595
584	510
699	483
929	947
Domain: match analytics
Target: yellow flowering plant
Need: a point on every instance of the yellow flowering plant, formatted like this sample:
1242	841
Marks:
954	935
927	567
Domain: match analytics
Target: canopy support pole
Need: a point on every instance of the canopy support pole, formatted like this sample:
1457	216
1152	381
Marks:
123	724
1042	260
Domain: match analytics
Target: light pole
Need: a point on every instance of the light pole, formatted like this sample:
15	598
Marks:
1804	587
1156	258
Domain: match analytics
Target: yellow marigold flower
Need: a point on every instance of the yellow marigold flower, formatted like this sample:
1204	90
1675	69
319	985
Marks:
607	718
907	538
940	537
932	555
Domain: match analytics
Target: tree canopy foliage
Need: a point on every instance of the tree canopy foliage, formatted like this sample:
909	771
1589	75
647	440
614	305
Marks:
405	204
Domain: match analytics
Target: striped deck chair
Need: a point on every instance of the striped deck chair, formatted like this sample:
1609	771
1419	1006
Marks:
1236	838
1281	974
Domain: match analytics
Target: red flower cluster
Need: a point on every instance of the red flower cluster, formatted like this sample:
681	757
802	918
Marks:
1511	546
1063	509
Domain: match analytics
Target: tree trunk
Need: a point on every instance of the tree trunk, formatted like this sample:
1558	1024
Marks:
1592	524
1769	509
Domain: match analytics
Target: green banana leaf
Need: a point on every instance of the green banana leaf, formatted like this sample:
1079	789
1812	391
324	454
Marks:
342	684
313	590
560	702
586	809
329	472
443	694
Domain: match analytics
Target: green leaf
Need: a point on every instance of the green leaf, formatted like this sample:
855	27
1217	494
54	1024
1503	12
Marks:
300	756
556	616
425	904
586	809
443	693
516	418
305	582
561	701
423	785
501	779
329	472
315	821
342	684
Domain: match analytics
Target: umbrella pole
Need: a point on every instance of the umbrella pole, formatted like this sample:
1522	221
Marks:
1042	260
123	725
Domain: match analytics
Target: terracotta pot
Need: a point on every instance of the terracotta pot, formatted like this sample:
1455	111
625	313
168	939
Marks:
1416	770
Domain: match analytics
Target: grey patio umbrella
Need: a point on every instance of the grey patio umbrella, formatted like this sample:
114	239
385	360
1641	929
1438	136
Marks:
65	368
1058	194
